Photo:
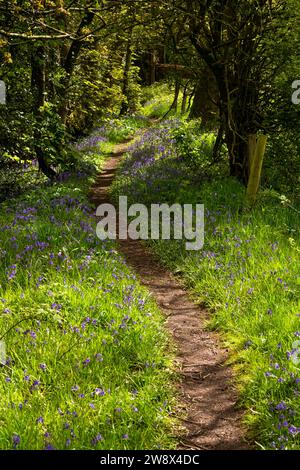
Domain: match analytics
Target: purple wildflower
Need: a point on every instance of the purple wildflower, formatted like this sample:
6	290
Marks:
12	271
56	306
35	385
49	447
281	406
97	439
99	357
293	430
16	440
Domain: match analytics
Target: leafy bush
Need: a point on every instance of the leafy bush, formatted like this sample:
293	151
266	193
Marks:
196	148
282	163
53	140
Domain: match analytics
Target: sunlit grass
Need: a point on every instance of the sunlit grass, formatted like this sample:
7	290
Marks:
87	355
158	99
247	274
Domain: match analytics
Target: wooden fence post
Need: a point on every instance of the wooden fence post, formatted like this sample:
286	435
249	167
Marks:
256	150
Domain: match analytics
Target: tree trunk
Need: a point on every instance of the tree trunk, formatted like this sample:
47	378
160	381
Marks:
238	98
174	105
184	99
152	68
235	120
70	62
238	155
192	95
38	74
218	144
196	111
126	80
176	96
205	104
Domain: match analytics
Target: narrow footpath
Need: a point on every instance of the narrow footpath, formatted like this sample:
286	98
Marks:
212	420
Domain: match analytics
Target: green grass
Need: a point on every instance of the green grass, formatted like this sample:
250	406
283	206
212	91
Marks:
118	130
247	275
157	100
87	355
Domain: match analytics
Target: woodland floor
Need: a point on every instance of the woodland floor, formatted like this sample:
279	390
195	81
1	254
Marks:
209	400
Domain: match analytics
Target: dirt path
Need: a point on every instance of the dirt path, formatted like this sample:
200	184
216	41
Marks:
212	420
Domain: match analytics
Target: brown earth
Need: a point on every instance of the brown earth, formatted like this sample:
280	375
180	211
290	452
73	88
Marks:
212	419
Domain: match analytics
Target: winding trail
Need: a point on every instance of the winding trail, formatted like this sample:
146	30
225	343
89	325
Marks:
212	420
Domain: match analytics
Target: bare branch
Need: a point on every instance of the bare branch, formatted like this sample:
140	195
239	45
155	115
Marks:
35	37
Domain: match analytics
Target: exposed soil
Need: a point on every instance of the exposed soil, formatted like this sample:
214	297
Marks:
212	420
